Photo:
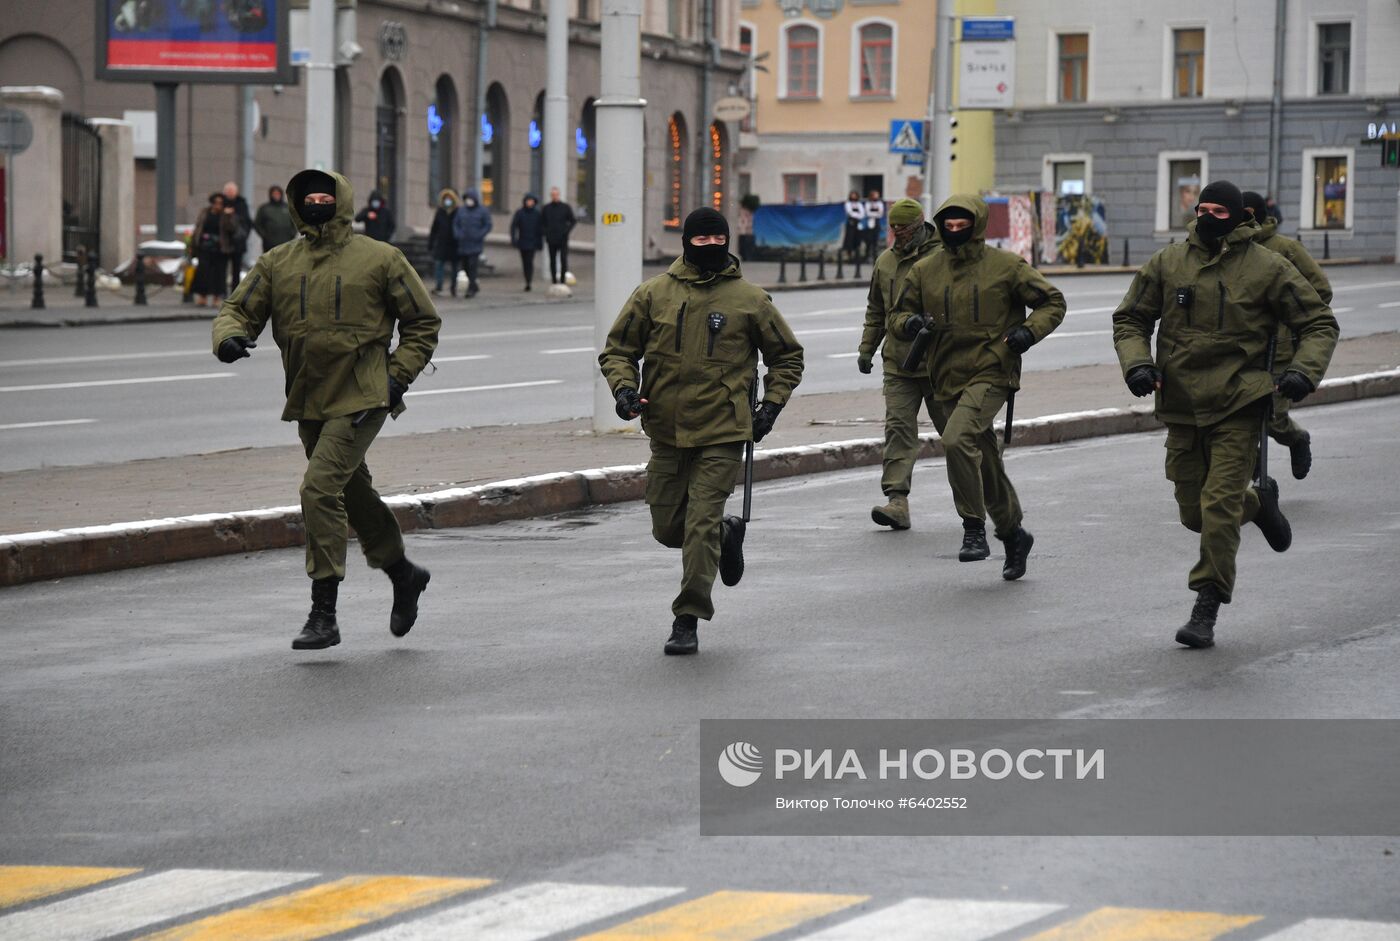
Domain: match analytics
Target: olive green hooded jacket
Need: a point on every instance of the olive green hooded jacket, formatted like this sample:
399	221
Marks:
886	281
975	294
333	298
697	338
1214	312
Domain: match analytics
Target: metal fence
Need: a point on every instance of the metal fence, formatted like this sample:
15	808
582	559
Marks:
82	186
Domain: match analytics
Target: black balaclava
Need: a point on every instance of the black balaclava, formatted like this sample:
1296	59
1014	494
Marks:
955	240
1227	194
1255	201
317	213
708	258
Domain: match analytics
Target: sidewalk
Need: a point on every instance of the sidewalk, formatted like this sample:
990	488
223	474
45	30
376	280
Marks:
164	493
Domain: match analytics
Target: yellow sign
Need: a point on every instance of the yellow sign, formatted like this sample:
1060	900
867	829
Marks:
612	218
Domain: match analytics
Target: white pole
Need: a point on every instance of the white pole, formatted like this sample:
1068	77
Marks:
940	174
556	101
617	265
320	86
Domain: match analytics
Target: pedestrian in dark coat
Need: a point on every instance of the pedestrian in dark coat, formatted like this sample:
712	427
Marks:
442	244
211	243
236	206
273	222
527	234
559	221
469	226
377	217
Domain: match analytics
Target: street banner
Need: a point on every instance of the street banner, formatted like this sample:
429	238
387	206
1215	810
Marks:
799	226
223	41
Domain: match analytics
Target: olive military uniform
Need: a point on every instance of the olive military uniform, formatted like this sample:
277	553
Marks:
333	299
1214	312
974	294
697	337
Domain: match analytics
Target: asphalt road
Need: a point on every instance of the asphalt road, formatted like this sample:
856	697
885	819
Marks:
529	728
117	393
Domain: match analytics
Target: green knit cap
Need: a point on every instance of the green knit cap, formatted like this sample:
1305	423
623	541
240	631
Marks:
906	211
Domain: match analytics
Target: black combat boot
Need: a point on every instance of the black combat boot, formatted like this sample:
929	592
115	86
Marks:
683	639
321	630
409	581
1199	631
1270	518
731	550
974	547
1018	546
1300	456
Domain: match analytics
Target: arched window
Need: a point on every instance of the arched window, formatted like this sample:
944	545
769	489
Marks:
495	139
675	160
873	72
802	55
388	136
535	138
718	153
442	126
586	150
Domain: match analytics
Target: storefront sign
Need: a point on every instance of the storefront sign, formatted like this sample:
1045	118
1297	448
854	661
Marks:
1377	130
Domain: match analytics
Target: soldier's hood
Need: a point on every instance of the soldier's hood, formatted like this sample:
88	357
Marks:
338	229
683	270
973	204
1268	229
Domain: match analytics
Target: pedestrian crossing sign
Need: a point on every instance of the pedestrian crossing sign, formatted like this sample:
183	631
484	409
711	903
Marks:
906	137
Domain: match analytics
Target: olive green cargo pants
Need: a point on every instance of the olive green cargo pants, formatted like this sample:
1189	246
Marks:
903	398
686	490
1212	467
337	492
973	455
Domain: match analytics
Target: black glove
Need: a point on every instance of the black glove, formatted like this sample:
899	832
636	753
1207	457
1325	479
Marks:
1294	386
763	418
396	391
865	363
629	403
1019	339
1143	380
913	325
234	349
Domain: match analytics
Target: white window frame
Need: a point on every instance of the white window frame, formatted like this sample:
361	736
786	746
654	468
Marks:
1307	204
1169	59
783	60
1315	24
1047	171
1052	69
855	58
1164	190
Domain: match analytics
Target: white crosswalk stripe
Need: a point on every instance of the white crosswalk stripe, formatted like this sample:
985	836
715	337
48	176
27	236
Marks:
1336	929
525	914
945	919
130	905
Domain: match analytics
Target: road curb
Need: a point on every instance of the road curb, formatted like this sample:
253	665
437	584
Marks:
39	556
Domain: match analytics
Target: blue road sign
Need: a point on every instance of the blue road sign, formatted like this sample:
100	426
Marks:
906	137
985	28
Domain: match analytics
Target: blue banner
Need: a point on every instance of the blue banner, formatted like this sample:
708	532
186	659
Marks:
796	226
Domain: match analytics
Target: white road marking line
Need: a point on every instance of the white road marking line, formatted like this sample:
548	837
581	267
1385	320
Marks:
812	333
1337	929
1362	287
460	359
65	360
47	424
1342	310
117	382
525	914
1079	333
493	334
1386	306
1091	310
136	904
825	313
571	349
842	355
502	385
944	919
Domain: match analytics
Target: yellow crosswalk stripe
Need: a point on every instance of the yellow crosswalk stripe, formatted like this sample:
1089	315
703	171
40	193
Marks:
729	916
322	910
19	884
1145	924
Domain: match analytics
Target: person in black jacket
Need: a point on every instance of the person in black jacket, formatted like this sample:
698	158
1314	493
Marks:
377	217
527	234
442	244
559	220
237	206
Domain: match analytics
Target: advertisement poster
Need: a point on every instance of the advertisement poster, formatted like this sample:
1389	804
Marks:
193	40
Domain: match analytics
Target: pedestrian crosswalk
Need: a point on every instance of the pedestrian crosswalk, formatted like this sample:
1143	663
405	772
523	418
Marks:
61	903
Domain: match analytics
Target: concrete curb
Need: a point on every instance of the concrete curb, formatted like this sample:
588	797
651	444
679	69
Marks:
38	556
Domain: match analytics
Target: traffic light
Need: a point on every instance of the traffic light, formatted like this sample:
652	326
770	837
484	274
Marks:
1390	152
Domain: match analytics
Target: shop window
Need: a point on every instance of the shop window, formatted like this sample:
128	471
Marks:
1179	181
675	194
1329	193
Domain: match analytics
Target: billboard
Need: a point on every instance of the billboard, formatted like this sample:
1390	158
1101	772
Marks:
217	41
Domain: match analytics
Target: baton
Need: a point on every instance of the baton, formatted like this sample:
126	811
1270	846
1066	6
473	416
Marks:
1010	413
1268	417
917	348
748	450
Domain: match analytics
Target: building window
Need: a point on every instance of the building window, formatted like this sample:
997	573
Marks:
675	196
876	65
1074	66
1333	58
1329	193
1190	63
803	46
1179	180
1070	178
799	188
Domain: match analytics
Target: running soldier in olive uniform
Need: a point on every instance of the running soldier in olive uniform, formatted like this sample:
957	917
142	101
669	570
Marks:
905	389
973	299
1282	428
334	299
696	332
1215	300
